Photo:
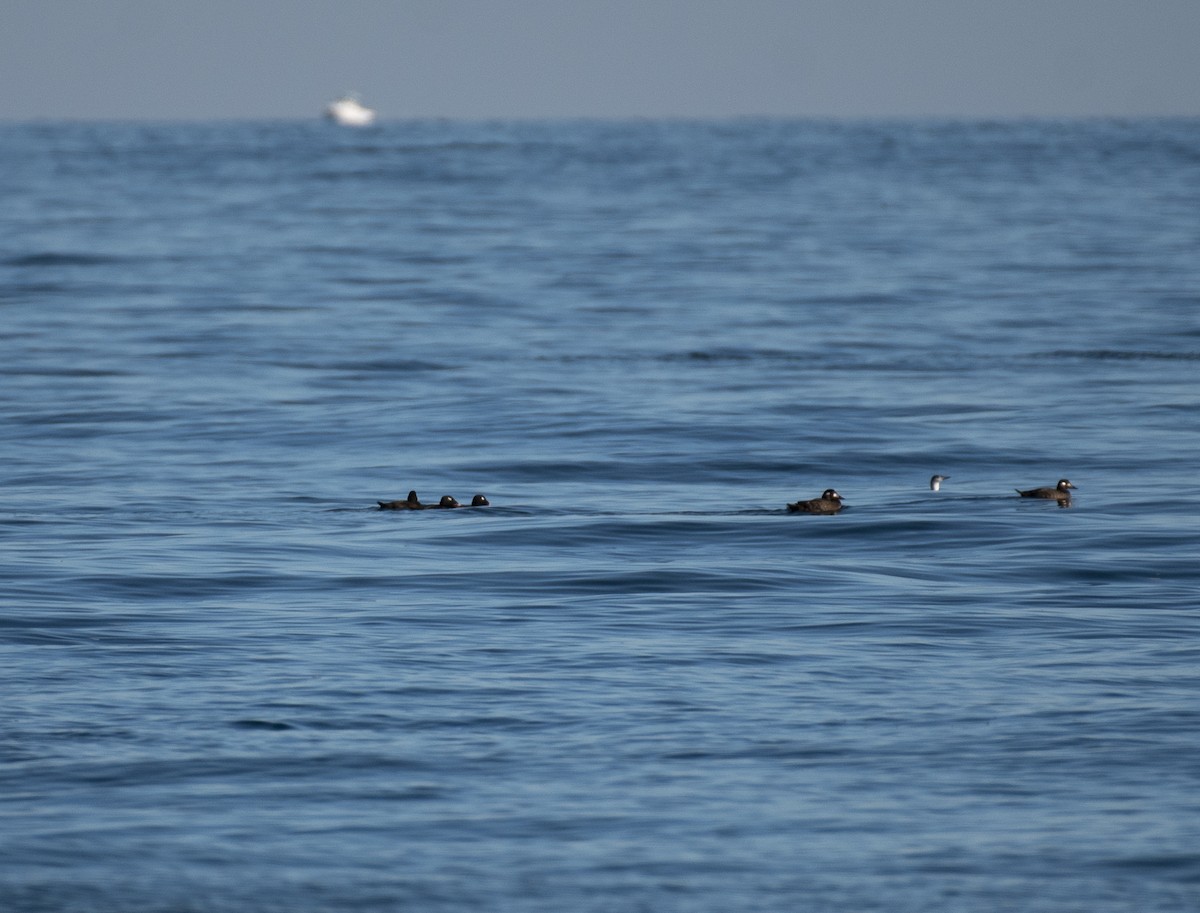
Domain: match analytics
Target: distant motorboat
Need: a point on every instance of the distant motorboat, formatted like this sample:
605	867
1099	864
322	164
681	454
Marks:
348	111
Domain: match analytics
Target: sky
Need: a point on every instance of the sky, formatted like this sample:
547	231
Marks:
217	59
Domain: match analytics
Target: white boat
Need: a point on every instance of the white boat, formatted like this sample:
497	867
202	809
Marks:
348	111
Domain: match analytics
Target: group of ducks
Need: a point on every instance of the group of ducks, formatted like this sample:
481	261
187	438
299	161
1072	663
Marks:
412	502
830	501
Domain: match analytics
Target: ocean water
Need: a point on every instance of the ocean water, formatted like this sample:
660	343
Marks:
635	682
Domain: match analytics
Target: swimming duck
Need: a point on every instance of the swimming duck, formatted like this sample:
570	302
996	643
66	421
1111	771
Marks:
1060	492
935	484
480	501
409	503
445	502
830	502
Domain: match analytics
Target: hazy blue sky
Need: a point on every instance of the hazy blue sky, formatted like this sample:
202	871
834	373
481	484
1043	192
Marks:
599	58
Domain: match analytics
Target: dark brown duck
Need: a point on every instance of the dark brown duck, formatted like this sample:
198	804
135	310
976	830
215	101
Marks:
412	502
830	502
1060	492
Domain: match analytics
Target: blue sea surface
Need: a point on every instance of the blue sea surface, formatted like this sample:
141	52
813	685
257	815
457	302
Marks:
635	682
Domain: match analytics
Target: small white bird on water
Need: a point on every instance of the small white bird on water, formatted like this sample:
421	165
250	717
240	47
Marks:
935	484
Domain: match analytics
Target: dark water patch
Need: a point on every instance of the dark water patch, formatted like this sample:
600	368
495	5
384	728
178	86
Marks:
100	420
699	357
1182	866
367	367
638	584
1120	355
725	355
53	259
65	371
476	723
66	620
158	586
263	725
17	292
222	771
391	281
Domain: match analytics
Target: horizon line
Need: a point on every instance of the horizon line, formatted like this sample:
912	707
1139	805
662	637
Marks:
597	118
